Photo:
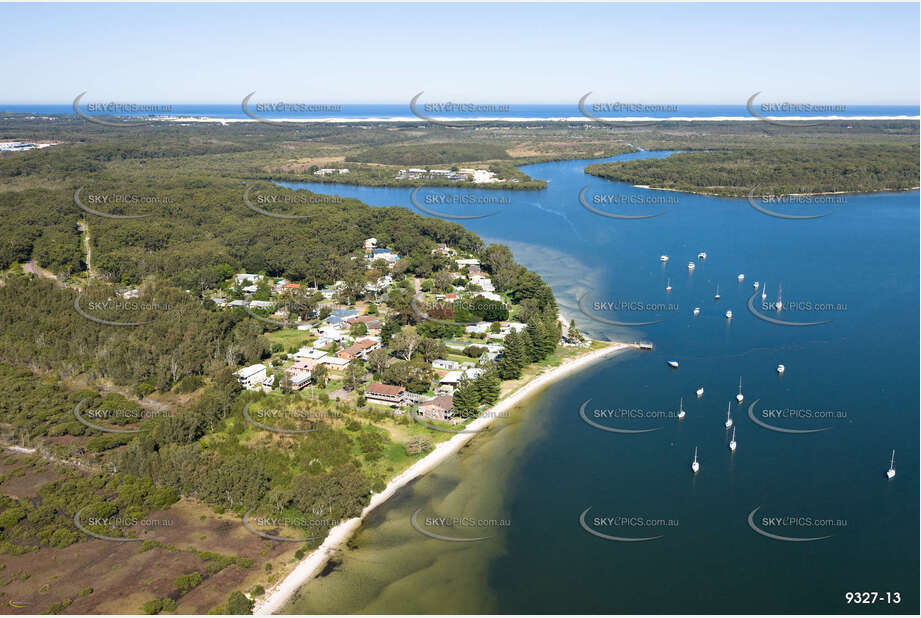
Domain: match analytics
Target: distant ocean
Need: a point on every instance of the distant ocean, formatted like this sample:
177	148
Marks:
514	112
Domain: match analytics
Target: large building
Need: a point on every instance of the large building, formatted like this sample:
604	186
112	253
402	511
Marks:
251	377
384	393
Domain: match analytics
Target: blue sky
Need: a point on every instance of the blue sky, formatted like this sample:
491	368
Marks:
510	53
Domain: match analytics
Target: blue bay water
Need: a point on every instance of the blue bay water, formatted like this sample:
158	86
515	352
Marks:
402	110
544	467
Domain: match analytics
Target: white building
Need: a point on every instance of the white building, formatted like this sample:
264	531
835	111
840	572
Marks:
311	353
251	377
479	327
242	278
448	365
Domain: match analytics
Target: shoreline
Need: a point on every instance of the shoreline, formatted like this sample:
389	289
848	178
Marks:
282	592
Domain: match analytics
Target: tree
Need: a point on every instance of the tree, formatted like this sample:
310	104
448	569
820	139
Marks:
319	375
377	360
466	398
391	327
405	344
353	375
432	349
358	329
239	605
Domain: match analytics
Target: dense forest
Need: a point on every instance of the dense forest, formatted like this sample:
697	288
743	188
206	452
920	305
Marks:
774	171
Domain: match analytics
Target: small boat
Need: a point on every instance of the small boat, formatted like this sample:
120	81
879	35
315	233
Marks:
741	277
891	471
781	369
739	397
732	443
681	409
779	303
717	295
729	314
696	311
672	363
691	265
700	392
764	292
702	255
755	285
668	286
695	467
663	258
728	422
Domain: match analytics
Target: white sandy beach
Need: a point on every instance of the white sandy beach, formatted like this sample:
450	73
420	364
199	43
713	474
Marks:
276	597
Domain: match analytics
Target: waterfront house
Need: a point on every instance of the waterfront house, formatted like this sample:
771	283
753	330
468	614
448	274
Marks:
440	408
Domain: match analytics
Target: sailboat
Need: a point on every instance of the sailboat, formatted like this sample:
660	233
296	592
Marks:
732	442
695	467
717	295
779	303
728	422
663	258
700	392
755	285
764	292
668	286
891	471
681	409
739	397
741	277
696	311
691	265
781	369
729	314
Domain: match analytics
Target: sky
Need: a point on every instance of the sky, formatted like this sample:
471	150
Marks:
482	53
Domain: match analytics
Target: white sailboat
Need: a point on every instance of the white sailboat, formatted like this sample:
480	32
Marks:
702	255
781	369
691	265
741	277
739	397
729	314
696	311
732	442
717	295
891	471
764	292
700	392
668	286
755	285
681	409
695	467
779	304
728	422
663	258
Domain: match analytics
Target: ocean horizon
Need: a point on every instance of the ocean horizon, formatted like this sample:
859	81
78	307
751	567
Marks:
461	112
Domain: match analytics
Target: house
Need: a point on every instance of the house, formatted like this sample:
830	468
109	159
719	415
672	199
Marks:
260	304
302	366
440	408
442	249
243	278
334	363
237	303
384	393
342	315
220	302
333	333
322	342
474	270
490	295
299	380
251	377
371	323
445	364
268	383
251	289
468	262
359	349
383	254
452	378
369	244
309	353
485	283
479	327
